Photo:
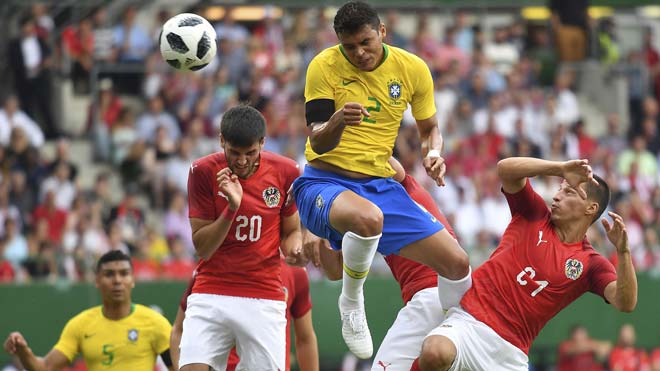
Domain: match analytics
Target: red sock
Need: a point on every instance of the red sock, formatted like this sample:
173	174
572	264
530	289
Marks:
415	365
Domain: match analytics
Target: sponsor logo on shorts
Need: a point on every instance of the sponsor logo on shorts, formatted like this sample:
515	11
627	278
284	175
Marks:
573	269
133	335
271	196
384	365
446	325
319	202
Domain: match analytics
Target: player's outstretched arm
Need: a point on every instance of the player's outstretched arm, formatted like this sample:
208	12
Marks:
431	142
18	346
325	136
622	293
291	239
514	171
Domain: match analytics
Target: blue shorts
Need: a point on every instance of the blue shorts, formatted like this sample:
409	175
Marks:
405	221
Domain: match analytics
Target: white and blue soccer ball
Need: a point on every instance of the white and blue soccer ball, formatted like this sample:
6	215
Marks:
187	42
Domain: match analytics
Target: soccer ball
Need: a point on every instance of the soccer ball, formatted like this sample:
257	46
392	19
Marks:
187	42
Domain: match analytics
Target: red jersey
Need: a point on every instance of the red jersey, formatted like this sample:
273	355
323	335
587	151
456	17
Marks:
532	275
629	359
247	262
584	361
298	304
411	275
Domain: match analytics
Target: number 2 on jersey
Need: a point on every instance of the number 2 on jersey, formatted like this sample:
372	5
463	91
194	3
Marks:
532	273
370	109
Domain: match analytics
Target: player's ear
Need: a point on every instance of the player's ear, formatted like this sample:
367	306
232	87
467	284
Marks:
222	141
382	30
592	208
262	141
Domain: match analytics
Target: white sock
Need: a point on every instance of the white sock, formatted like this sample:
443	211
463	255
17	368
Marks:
358	253
451	292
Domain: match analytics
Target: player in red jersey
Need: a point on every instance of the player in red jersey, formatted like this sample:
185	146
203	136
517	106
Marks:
422	311
543	263
299	311
240	218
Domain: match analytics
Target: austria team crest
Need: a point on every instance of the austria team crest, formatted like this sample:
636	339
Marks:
133	335
394	87
573	269
271	196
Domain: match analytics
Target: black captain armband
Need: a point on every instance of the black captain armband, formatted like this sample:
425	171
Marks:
167	358
319	110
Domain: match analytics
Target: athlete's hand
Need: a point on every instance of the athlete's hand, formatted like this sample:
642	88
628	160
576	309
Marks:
311	246
296	258
230	187
435	168
617	233
350	115
15	343
576	172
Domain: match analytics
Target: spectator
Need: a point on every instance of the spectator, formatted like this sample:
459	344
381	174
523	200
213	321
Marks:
608	50
394	37
30	59
7	272
12	117
176	223
502	53
570	22
449	53
148	123
567	111
78	44
54	217
21	196
103	115
61	186
652	59
464	37
637	153
625	356
582	353
130	217
15	244
131	41
179	265
62	157
7	209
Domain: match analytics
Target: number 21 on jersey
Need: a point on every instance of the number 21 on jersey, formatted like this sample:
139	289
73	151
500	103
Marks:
530	273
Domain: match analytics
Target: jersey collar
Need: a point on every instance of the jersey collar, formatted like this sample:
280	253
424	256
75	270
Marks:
386	53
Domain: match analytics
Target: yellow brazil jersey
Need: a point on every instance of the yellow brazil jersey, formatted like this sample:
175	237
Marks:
402	78
131	343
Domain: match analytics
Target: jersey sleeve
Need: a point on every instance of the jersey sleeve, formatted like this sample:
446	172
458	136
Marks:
601	273
200	193
69	342
302	302
527	203
317	83
292	172
162	331
423	100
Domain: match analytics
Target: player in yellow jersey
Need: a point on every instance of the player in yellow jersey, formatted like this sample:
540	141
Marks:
356	93
117	335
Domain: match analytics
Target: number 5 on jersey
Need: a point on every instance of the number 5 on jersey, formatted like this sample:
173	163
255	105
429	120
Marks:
531	273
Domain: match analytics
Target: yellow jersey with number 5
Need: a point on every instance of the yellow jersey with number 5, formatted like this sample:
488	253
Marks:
401	79
131	343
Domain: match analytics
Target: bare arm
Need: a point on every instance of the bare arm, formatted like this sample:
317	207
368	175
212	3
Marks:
291	235
325	136
332	261
16	345
431	146
514	171
307	350
622	293
175	338
208	235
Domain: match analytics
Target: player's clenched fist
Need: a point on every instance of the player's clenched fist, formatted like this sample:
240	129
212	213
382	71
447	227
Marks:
351	114
15	342
436	168
230	187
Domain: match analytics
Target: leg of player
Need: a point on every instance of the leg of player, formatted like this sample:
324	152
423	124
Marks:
438	354
361	223
442	252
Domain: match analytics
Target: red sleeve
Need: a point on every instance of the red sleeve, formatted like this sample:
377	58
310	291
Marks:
527	203
201	203
184	298
422	197
292	172
601	273
302	302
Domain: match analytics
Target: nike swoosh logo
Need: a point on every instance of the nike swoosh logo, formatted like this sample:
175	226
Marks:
347	82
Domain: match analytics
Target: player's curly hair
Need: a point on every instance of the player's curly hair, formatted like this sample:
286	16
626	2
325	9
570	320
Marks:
113	256
599	193
353	16
242	126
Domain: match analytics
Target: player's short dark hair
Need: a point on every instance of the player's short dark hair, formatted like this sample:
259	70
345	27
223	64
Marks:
242	126
353	16
599	193
113	256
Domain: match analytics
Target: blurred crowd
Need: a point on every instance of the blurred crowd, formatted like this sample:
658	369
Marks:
502	91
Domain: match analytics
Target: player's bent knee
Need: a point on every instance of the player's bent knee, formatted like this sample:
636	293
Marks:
438	354
196	367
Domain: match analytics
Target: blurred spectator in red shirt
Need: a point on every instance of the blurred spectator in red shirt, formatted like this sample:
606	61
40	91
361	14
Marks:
624	356
179	266
582	353
56	218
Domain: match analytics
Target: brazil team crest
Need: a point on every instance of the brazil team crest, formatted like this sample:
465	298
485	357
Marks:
394	88
133	335
573	269
271	196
